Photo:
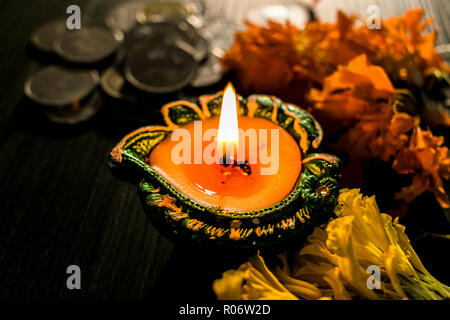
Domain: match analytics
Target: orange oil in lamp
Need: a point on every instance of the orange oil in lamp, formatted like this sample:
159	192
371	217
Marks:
250	171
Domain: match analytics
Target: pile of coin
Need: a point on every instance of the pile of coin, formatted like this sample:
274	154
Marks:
69	95
168	45
68	91
151	48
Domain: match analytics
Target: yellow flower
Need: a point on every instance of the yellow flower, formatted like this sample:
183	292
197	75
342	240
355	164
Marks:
334	262
229	287
252	281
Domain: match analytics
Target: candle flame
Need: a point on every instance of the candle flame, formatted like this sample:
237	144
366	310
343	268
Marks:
228	124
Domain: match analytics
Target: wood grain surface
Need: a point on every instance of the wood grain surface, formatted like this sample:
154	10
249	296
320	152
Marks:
60	205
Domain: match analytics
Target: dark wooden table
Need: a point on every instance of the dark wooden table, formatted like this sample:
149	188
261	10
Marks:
60	204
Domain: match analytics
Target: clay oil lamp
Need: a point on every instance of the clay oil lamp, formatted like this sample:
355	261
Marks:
232	171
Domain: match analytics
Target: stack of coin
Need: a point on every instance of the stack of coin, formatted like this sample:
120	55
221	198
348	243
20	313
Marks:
89	45
69	95
162	57
189	10
45	37
170	31
122	17
160	47
160	69
127	14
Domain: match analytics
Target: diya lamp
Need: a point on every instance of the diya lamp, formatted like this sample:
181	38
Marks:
232	171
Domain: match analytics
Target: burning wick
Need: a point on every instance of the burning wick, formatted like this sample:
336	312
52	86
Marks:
244	168
228	135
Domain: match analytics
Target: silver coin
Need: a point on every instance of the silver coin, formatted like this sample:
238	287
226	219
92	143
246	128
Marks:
279	11
115	85
171	32
85	112
189	10
209	73
160	69
152	33
46	35
196	47
60	87
220	35
87	45
123	16
112	82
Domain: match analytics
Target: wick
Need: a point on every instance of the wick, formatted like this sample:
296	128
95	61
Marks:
244	167
226	160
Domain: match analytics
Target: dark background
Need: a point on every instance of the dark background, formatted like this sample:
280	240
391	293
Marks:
60	204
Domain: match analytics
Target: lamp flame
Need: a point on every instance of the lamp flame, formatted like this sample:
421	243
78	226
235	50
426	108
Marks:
228	124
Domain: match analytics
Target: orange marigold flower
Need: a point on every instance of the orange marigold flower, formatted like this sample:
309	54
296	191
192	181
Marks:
357	96
393	137
344	74
429	161
280	59
361	80
263	58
